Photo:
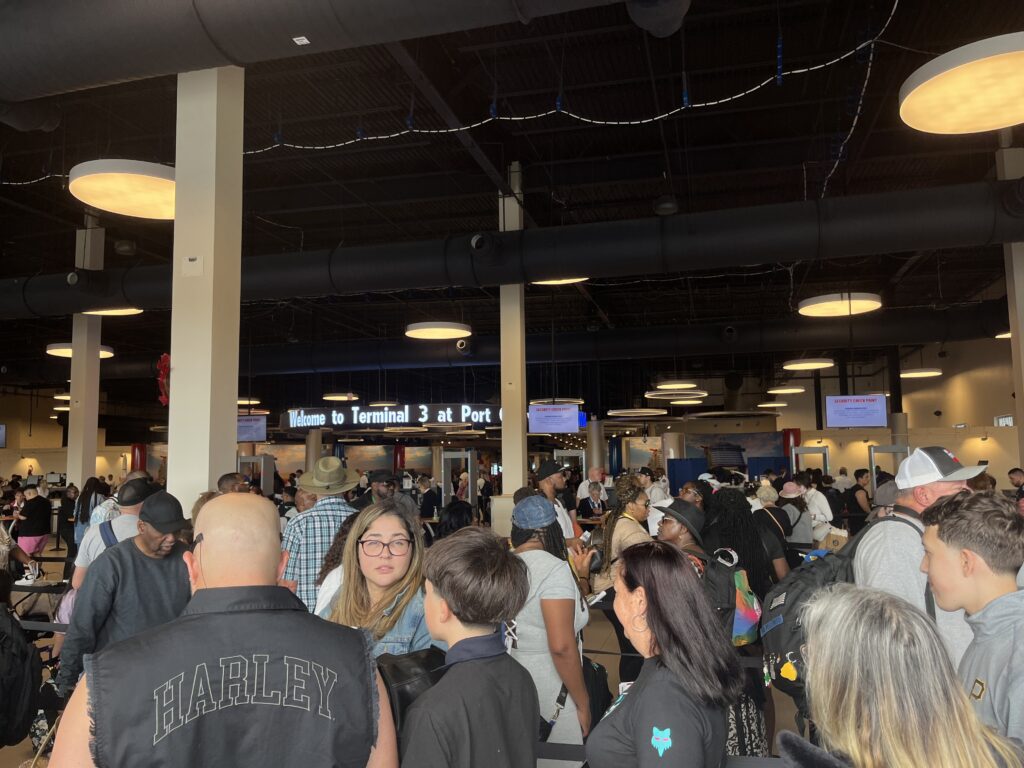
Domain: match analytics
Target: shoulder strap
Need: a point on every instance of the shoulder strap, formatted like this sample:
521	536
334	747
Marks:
107	534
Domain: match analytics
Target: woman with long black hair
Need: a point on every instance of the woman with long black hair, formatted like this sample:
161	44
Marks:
87	501
690	675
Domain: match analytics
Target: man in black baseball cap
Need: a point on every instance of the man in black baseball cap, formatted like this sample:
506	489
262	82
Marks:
551	482
137	584
382	486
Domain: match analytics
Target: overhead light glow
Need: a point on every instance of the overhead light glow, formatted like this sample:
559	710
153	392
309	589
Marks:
62	396
557	401
920	373
382	404
438	330
788	389
561	281
773	404
467	432
248	401
53	416
637	412
341	397
977	87
675	384
407	430
253	412
128	187
62	408
64	349
840	304
538	434
808	364
1006	335
687	402
669	394
879	394
117	312
447	424
350	440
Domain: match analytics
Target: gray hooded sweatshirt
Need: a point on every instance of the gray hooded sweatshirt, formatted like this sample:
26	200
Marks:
992	667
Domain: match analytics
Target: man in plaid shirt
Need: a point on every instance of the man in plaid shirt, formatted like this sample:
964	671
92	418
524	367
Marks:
308	536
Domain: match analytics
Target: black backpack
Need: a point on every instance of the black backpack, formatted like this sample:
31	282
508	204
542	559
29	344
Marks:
21	675
782	632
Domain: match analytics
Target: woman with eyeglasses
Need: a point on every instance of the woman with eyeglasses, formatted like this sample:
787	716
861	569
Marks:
624	526
382	580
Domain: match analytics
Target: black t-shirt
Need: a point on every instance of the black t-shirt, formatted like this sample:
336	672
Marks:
658	723
38	512
852	506
429	503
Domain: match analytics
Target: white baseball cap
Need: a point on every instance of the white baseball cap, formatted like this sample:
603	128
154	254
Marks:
933	464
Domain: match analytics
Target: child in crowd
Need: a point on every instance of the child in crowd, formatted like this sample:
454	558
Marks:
484	711
974	547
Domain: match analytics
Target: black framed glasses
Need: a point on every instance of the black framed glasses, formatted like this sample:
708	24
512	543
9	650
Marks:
376	547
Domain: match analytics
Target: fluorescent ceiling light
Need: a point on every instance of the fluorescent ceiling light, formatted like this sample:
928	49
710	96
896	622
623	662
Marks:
977	87
341	397
808	364
675	384
64	349
637	412
561	281
773	404
557	401
438	330
787	389
840	304
920	373
128	187
117	312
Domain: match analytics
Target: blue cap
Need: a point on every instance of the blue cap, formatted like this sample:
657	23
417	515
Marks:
533	512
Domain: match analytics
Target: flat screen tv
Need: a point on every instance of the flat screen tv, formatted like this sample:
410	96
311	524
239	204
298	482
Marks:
554	418
855	411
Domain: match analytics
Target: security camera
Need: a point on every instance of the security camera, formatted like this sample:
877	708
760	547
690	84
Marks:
463	346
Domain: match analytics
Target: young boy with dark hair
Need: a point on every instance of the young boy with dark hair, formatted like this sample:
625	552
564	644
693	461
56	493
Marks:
974	547
484	711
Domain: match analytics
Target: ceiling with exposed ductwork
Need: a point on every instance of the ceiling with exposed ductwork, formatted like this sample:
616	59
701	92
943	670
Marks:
784	143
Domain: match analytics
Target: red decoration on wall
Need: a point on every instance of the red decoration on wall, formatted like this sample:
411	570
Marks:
163	378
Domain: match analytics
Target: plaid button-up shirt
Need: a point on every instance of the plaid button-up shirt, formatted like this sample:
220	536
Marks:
307	539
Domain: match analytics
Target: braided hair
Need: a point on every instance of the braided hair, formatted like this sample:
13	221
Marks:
736	528
627	490
551	538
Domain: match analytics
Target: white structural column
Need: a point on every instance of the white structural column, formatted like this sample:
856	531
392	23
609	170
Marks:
207	281
597	448
1010	165
673	446
314	448
512	305
83	418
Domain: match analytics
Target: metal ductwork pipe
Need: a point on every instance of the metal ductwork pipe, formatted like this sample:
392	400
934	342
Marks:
968	215
661	18
52	47
878	329
30	115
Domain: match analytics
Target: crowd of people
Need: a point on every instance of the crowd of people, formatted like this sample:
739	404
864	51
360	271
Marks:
178	626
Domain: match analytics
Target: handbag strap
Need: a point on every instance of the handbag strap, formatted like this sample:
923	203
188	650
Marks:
563	694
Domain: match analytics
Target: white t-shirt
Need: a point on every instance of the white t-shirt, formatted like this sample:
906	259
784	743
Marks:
584	490
564	520
92	546
328	591
844	483
818	506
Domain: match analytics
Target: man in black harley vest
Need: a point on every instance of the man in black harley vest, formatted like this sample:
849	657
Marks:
246	676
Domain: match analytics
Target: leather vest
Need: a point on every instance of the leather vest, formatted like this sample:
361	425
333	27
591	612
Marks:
246	676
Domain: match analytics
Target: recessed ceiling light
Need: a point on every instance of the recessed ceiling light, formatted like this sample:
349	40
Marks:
773	404
920	373
557	401
840	304
64	349
301	40
808	364
248	401
637	412
341	397
561	281
675	384
118	312
1006	335
128	187
438	330
786	390
977	87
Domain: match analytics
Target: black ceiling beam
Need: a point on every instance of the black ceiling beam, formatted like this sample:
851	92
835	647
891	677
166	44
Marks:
426	87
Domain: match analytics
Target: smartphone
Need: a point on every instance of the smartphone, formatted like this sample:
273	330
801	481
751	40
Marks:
585	538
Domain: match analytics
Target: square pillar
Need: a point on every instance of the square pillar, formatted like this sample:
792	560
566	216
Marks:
207	281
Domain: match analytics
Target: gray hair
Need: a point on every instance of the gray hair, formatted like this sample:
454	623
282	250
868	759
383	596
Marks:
595	486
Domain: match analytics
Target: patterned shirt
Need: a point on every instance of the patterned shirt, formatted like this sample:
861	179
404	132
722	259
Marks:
307	538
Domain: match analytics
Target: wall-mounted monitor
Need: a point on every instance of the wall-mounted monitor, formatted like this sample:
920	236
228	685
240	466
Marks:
855	411
252	429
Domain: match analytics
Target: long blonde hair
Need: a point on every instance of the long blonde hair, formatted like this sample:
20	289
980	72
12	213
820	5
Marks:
882	690
353	608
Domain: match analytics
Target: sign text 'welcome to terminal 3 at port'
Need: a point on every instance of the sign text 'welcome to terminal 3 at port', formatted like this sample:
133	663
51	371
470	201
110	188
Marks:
410	415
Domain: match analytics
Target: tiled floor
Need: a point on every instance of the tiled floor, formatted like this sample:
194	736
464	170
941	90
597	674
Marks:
598	636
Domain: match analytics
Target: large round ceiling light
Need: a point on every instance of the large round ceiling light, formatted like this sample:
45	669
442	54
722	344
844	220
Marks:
438	330
341	397
808	364
977	87
467	432
116	312
920	373
655	394
405	430
62	396
382	404
675	384
64	349
840	304
561	281
639	412
687	402
248	401
1004	335
62	408
773	404
787	389
557	401
128	187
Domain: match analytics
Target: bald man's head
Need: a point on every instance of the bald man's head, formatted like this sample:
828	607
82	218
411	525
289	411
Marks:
240	544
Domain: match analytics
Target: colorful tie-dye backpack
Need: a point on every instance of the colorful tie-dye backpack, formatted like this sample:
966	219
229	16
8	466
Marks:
729	590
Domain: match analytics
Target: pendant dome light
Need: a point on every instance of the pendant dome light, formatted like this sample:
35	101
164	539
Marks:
839	304
64	349
341	397
561	281
786	389
977	87
675	384
115	312
692	394
809	364
438	330
773	404
920	373
128	187
686	401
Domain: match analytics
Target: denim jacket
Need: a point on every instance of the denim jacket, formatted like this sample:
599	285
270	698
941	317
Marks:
410	631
